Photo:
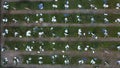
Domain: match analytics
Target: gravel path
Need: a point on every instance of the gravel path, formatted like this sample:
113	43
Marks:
111	57
83	11
64	66
69	39
26	0
45	24
1	25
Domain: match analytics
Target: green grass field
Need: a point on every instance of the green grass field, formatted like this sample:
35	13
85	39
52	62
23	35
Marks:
73	4
59	31
72	18
47	46
58	60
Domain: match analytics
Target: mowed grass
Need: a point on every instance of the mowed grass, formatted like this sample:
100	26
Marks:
59	59
72	18
112	3
30	5
48	46
46	59
59	31
73	4
74	60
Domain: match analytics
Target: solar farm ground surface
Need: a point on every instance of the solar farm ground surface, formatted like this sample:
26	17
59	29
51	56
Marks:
53	41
